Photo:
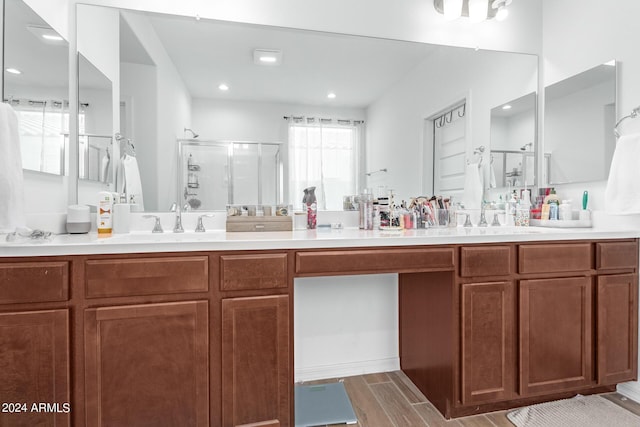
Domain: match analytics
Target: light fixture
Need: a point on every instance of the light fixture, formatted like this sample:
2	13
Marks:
506	107
452	9
475	10
478	10
331	95
267	56
13	71
223	87
501	9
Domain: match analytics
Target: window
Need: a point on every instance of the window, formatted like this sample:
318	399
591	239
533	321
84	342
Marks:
325	156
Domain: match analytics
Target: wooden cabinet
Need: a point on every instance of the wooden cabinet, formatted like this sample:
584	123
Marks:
488	342
34	366
256	374
147	365
617	325
555	335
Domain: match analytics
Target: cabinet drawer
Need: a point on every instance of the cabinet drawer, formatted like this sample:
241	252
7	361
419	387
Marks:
146	276
246	272
25	282
555	258
374	261
485	261
615	255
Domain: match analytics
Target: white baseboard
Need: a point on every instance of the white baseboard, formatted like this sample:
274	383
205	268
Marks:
630	390
347	369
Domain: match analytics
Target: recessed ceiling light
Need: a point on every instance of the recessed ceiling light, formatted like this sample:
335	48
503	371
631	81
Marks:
223	87
506	107
13	71
331	95
46	35
52	37
267	56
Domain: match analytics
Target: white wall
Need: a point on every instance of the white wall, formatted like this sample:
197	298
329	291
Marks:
578	35
395	122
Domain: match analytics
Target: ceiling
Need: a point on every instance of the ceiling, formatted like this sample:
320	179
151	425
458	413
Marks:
357	69
43	64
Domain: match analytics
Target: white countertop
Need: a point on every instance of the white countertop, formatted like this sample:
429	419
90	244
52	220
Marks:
146	242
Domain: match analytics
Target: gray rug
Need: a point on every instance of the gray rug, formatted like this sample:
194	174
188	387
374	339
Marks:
579	411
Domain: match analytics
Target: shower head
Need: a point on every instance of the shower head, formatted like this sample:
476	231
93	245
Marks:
195	135
524	147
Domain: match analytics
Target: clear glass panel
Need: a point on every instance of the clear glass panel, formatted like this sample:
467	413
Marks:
270	173
245	173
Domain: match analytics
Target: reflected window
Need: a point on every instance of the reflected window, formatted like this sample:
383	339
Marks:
323	156
42	126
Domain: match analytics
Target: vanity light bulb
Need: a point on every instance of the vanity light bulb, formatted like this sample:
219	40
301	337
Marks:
223	87
331	95
13	71
478	10
506	107
502	14
452	9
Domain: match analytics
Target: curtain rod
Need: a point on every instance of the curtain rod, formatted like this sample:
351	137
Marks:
320	119
11	100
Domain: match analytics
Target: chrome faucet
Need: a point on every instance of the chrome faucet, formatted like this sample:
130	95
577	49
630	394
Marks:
157	227
177	228
200	226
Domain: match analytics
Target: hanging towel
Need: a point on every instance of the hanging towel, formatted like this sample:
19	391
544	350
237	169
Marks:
132	183
11	178
472	197
622	195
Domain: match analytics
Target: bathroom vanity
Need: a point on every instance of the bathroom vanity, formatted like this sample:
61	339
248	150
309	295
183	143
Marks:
197	330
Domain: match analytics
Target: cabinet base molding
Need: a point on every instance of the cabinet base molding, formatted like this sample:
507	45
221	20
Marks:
340	370
456	412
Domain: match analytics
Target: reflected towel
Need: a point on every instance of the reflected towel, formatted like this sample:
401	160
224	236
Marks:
132	183
492	176
622	195
472	197
11	177
105	172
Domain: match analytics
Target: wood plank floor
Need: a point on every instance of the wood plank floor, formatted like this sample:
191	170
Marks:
391	400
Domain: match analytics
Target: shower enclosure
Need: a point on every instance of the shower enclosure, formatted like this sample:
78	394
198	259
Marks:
213	174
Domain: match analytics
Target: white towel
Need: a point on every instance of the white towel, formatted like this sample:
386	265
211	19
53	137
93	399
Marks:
472	197
11	178
131	184
622	195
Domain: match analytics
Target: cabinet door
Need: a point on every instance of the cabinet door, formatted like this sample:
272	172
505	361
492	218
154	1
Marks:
147	365
488	353
255	360
555	335
617	304
34	367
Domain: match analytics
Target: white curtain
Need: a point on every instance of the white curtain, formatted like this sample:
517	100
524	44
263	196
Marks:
325	154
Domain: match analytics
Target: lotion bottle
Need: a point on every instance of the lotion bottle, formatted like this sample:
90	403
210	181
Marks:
105	212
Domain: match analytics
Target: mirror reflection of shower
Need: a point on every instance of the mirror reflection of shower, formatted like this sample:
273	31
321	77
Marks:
194	135
527	146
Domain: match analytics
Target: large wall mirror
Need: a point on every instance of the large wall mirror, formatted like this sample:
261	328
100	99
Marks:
36	84
513	136
328	102
580	114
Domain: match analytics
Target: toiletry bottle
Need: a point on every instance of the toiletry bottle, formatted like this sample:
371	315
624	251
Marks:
511	209
523	212
105	212
311	206
365	208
